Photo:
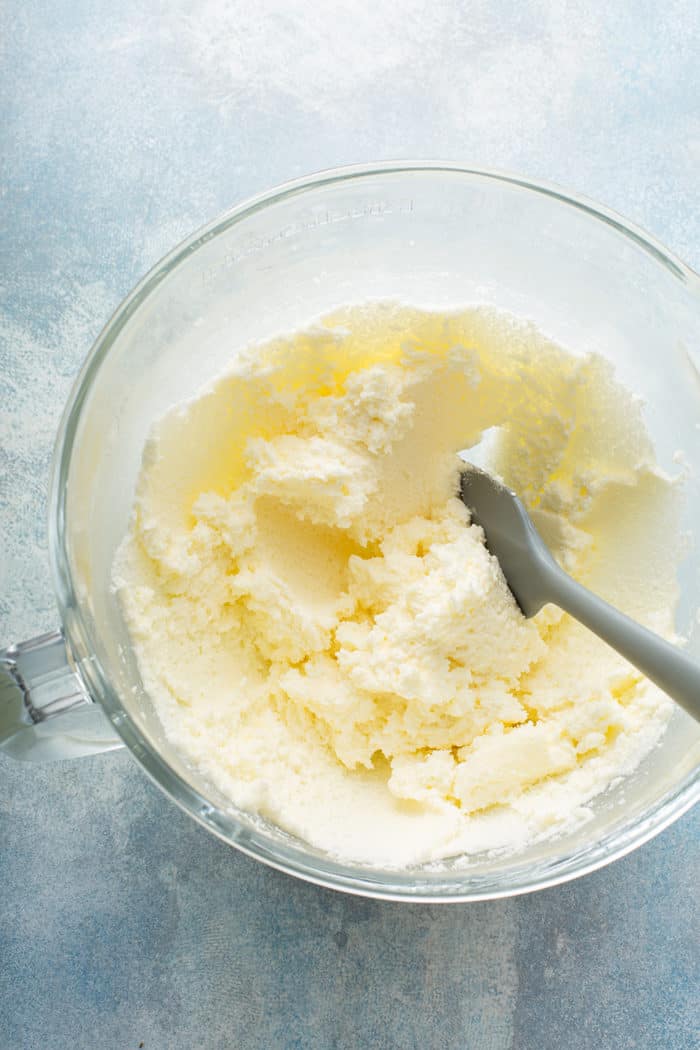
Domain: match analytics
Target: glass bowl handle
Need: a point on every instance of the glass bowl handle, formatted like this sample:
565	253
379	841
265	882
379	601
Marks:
46	713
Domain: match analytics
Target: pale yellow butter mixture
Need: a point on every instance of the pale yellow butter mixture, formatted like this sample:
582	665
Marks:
325	635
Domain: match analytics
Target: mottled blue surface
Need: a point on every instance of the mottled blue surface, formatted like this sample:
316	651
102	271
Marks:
123	127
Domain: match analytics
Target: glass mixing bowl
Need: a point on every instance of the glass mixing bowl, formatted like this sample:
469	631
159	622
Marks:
430	234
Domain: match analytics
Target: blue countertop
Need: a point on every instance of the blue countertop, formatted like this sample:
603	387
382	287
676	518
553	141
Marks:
125	126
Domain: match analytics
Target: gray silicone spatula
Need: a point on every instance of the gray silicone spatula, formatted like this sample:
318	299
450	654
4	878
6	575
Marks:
535	579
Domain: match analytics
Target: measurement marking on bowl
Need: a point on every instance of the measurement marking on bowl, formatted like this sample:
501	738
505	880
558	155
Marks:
372	209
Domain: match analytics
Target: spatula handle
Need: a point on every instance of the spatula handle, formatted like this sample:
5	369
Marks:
666	665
